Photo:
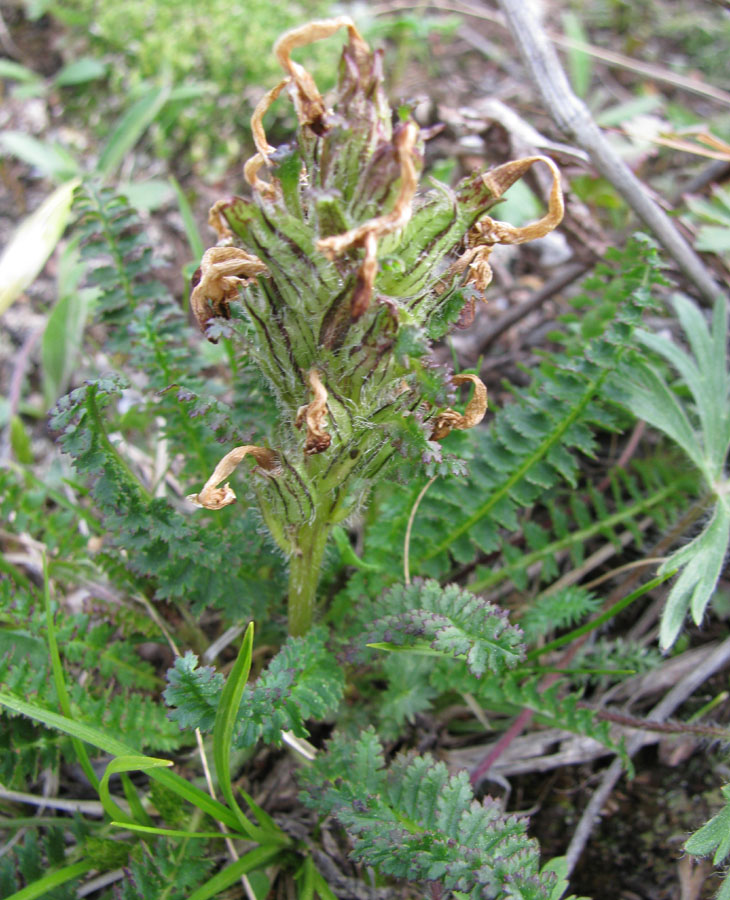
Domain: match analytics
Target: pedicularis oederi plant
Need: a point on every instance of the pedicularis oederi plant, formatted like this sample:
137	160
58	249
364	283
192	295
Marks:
345	269
327	286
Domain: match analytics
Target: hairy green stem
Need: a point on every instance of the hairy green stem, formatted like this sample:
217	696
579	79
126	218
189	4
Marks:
304	570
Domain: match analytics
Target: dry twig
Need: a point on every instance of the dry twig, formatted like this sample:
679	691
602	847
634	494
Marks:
573	118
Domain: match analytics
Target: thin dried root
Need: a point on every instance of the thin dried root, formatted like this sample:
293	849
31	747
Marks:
367	234
308	101
475	410
263	148
487	232
314	415
213	497
222	271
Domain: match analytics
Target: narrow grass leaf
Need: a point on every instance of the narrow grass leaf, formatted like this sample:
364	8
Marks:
130	128
192	232
168	832
33	242
121	764
98	738
45	885
13	71
52	159
58	678
139	813
81	71
580	63
225	722
226	877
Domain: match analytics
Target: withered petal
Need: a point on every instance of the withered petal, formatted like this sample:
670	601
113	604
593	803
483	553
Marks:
475	410
216	282
314	415
213	497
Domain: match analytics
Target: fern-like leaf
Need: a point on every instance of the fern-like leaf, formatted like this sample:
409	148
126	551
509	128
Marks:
415	821
193	692
303	681
448	621
556	610
525	458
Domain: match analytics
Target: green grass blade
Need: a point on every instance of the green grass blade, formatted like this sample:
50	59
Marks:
197	248
139	813
98	738
130	128
599	620
168	832
262	817
225	722
53	159
34	241
226	877
116	767
43	886
63	699
305	880
324	892
13	71
580	63
63	334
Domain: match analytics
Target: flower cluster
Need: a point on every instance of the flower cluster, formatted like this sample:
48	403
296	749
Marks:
344	271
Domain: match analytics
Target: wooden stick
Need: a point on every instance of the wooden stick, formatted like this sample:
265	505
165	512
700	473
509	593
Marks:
572	116
661	712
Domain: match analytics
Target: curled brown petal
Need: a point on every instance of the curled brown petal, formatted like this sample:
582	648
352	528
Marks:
366	235
475	410
263	148
307	99
487	232
218	221
495	232
314	415
365	278
222	271
213	497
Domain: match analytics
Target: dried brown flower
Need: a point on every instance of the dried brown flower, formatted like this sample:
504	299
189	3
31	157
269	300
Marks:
213	497
222	271
307	99
475	410
314	415
487	232
263	148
